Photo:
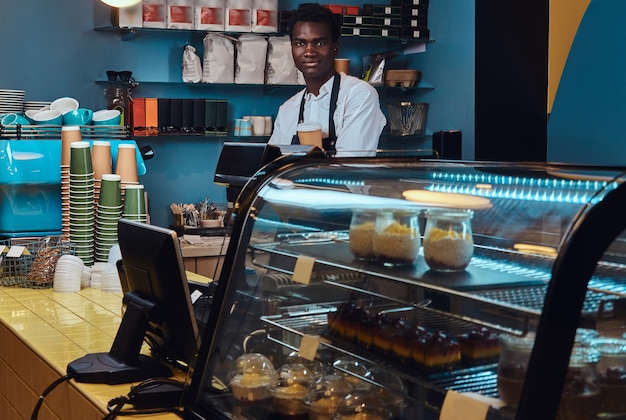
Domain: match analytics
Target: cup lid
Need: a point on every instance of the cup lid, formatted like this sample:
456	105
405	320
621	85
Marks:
312	126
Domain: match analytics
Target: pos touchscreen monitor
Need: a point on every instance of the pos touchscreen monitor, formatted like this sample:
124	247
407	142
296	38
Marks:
158	309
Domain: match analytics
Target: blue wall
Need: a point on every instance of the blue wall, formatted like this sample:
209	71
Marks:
56	52
587	120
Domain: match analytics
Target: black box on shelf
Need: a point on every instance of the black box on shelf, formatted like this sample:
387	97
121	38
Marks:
417	22
360	20
374	31
409	2
198	115
283	20
176	115
221	117
382	10
210	114
188	115
414	11
413	33
164	115
448	144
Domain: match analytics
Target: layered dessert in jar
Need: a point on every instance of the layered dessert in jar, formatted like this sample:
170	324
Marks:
396	237
448	242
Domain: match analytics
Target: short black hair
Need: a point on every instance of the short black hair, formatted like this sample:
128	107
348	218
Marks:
315	12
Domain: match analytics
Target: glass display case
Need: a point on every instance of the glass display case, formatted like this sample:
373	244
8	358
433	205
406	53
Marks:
409	278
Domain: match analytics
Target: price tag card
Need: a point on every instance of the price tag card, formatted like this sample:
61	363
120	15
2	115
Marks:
467	405
308	346
303	270
17	251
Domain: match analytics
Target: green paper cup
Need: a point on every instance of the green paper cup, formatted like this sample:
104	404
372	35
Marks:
80	158
134	199
110	191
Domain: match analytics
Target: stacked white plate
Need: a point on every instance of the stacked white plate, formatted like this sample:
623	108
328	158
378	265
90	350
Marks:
11	101
68	274
36	105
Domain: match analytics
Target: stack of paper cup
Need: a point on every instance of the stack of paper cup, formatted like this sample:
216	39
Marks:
135	203
69	134
81	201
109	211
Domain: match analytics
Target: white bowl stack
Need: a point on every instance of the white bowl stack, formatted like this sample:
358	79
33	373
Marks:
68	274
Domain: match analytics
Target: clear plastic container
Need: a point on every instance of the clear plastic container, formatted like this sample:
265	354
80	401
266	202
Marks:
612	375
580	399
351	369
448	242
390	388
324	396
250	377
288	387
362	405
397	237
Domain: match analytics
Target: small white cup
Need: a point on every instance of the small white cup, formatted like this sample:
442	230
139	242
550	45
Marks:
258	126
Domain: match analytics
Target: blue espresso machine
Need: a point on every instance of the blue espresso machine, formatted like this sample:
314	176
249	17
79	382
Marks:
30	186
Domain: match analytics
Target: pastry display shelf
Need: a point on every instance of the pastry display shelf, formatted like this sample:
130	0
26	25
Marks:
288	328
511	289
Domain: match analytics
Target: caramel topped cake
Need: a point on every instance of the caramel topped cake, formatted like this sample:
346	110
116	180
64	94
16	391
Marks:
438	351
479	345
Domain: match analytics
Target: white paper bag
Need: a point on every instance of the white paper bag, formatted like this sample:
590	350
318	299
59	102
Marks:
154	13
264	16
192	67
238	16
218	65
130	17
280	68
180	14
251	56
209	15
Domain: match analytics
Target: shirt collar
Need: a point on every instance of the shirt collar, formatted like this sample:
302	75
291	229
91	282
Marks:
324	90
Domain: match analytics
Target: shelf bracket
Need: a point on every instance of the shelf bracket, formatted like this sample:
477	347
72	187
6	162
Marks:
126	34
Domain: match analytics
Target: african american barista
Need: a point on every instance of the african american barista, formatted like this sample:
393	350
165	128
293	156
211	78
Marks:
348	108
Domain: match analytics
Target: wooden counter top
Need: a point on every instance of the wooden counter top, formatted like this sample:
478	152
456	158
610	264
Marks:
41	331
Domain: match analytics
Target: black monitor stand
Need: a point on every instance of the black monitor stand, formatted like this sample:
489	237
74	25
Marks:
124	363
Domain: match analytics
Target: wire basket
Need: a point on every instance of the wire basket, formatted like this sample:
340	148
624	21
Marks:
34	266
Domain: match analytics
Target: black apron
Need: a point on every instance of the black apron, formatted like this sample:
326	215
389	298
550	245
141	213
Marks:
327	143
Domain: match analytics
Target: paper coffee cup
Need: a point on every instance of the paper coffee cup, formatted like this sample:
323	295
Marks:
342	65
310	134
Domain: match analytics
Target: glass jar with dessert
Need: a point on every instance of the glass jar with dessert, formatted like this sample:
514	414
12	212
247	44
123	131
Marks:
612	376
396	237
580	399
361	234
448	242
